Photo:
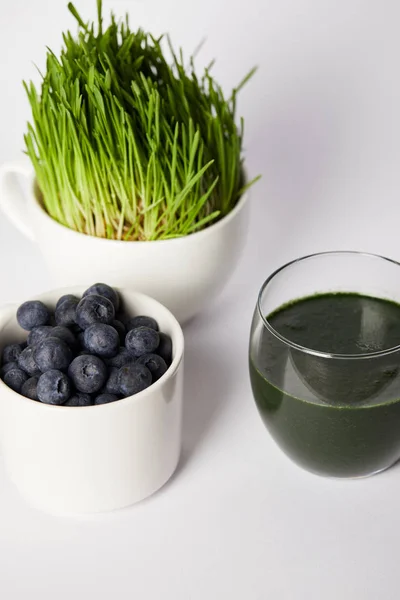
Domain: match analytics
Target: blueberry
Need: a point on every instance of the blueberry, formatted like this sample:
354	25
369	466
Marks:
81	339
142	340
11	353
120	327
165	348
156	365
29	389
76	329
63	333
15	379
27	362
67	298
105	398
53	387
102	340
53	353
123	317
79	399
112	385
142	321
88	373
119	360
32	314
38	334
52	320
7	367
102	289
133	378
66	311
94	309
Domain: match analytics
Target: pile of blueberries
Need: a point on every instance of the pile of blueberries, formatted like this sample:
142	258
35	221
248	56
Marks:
87	352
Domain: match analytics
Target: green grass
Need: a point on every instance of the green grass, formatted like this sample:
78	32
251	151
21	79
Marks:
127	145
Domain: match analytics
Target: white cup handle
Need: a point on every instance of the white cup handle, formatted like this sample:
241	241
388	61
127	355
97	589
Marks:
13	201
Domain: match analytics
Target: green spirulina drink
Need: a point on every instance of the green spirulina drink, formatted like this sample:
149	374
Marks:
325	374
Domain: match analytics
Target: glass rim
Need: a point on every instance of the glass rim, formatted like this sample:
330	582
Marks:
305	349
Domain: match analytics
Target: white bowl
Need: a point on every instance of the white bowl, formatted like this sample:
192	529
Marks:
185	273
94	458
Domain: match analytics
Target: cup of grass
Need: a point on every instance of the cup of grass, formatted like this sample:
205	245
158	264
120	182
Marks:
136	171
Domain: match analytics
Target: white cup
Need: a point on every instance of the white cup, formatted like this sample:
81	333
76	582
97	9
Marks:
95	458
185	273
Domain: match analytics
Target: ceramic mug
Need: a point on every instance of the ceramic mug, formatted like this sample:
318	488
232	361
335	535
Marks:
185	273
94	458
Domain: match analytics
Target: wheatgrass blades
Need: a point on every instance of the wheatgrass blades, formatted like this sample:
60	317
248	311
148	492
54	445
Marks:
128	146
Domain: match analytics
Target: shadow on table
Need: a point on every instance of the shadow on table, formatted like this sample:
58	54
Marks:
206	388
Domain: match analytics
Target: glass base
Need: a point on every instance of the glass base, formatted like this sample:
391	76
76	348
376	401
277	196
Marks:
350	477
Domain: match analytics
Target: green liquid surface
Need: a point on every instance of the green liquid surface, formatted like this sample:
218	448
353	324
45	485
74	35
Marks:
333	416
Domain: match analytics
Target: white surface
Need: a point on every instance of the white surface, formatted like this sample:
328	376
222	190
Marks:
183	274
98	458
238	520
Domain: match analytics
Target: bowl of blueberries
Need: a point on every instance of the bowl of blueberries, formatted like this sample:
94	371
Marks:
90	397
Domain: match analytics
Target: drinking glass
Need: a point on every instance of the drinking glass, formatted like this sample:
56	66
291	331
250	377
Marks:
333	414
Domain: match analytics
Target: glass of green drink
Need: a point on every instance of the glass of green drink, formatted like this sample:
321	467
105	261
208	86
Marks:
325	362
